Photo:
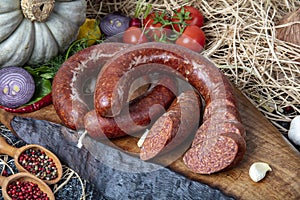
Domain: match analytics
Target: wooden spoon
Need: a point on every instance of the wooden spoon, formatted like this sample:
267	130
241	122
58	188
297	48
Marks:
24	176
14	152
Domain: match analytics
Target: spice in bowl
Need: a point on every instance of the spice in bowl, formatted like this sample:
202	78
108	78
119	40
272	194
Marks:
38	163
25	190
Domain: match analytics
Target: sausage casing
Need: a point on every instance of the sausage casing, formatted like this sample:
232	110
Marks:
203	75
141	112
68	92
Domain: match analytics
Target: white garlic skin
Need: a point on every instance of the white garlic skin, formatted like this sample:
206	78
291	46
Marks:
258	171
294	132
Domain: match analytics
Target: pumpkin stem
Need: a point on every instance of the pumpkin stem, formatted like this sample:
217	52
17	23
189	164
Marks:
37	10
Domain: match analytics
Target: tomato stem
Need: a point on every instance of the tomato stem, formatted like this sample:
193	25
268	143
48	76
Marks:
140	6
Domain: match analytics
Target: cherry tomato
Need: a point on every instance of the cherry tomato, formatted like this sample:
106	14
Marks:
134	35
155	23
189	15
193	38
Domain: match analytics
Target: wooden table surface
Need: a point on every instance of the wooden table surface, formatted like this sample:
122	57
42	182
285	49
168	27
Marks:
264	143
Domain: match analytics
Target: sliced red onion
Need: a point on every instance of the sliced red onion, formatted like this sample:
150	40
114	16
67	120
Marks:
16	87
114	23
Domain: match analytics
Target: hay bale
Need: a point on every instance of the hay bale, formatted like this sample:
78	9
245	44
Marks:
241	42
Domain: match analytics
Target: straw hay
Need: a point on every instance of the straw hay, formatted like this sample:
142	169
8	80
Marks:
241	42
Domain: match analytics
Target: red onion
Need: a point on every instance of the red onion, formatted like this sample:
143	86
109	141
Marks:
136	22
114	23
16	86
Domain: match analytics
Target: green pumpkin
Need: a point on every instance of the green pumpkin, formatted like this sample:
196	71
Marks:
34	31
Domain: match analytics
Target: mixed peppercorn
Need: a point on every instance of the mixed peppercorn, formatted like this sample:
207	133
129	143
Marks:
18	190
39	164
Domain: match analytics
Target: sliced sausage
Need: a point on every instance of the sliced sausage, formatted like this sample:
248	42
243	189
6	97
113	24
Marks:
211	83
211	154
175	126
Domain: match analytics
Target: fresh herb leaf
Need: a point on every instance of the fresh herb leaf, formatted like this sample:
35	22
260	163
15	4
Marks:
47	75
42	88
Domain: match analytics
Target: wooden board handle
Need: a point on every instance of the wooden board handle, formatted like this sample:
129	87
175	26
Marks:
6	148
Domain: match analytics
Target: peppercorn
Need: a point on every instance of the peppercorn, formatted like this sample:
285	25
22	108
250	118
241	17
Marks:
25	190
38	163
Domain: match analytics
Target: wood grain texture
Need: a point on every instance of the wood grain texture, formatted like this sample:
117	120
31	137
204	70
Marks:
46	113
264	143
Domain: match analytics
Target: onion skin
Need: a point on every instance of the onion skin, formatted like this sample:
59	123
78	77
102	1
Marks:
114	23
16	87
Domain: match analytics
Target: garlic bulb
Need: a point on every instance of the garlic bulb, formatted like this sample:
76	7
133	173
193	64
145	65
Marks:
294	132
258	171
289	28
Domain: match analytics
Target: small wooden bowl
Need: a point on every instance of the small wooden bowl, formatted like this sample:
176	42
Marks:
14	152
24	176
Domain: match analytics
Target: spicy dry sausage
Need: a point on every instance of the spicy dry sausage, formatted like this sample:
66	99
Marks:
68	93
219	150
143	111
173	127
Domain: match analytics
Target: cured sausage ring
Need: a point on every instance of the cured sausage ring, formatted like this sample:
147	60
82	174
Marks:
220	143
71	78
73	92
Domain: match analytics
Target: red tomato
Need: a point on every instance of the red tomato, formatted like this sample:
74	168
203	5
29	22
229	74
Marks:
154	25
134	35
188	14
193	38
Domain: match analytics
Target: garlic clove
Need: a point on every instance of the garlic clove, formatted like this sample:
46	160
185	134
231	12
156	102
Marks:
294	131
258	171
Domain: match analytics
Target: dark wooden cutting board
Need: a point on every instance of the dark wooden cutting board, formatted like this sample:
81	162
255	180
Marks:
264	144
